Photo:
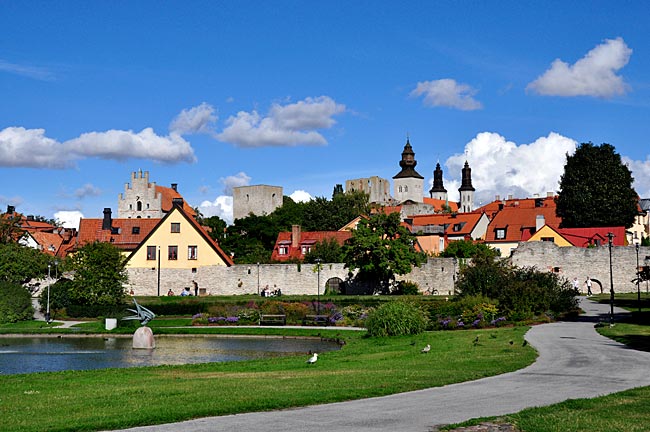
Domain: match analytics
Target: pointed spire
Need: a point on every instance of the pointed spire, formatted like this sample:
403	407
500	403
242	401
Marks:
408	162
437	181
466	183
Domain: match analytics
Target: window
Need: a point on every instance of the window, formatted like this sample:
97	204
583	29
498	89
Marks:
151	252
548	239
305	249
172	253
283	250
176	227
135	230
192	252
139	205
501	233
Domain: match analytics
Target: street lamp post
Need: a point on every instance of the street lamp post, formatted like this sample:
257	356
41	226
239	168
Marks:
258	279
318	261
610	236
49	282
158	271
638	276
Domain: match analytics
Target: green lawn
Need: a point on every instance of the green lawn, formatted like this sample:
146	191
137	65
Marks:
365	367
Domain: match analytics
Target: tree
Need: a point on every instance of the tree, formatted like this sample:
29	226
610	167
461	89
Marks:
10	229
381	248
19	264
15	303
321	214
596	189
99	275
467	249
217	227
328	251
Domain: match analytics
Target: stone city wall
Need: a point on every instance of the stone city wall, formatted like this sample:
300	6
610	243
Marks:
436	274
571	262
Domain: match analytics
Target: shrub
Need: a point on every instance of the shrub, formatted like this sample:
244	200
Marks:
15	303
407	288
394	319
59	297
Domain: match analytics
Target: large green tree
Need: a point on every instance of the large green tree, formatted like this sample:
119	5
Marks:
99	275
328	251
381	248
19	264
596	189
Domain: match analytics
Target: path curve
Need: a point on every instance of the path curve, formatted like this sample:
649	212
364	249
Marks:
574	362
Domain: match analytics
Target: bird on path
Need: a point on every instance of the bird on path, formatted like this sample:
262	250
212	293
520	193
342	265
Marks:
313	358
476	341
426	349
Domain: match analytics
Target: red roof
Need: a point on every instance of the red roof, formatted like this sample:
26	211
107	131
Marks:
583	237
438	205
519	222
167	197
459	224
308	238
491	209
126	234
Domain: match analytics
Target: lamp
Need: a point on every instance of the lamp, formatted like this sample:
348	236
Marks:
49	282
611	236
258	279
638	276
318	261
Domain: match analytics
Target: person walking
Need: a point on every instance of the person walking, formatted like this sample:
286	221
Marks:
588	282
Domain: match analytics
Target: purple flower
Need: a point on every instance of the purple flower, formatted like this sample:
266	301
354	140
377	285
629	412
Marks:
445	322
460	324
476	322
232	319
337	316
197	316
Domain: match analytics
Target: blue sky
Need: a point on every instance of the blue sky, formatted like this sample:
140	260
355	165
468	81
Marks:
305	95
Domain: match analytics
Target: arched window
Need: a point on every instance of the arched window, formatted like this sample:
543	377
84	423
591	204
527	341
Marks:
139	206
406	188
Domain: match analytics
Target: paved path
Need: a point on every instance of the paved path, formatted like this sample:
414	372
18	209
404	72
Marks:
38	316
574	362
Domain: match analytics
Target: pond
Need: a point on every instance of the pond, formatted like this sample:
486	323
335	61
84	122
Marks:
51	354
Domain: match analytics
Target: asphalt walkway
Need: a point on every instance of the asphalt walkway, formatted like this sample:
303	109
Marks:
574	362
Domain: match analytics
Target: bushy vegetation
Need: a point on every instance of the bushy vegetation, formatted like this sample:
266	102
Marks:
396	319
406	288
19	264
15	303
521	293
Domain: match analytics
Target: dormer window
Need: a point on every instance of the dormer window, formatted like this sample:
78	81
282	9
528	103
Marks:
500	233
135	230
283	250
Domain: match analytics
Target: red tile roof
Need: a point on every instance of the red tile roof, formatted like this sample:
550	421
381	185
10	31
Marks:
122	235
459	224
520	221
167	196
438	205
583	237
308	238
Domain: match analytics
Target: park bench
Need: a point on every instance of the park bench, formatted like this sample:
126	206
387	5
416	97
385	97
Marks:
315	320
273	319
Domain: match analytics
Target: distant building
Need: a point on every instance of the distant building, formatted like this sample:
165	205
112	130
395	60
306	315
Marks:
377	188
408	183
296	244
259	200
146	200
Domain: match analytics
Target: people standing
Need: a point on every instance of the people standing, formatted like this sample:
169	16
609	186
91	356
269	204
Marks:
576	284
196	288
588	282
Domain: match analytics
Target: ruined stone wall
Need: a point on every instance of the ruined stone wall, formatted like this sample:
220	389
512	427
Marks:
436	273
571	262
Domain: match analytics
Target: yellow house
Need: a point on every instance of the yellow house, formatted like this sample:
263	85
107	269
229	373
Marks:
546	233
178	242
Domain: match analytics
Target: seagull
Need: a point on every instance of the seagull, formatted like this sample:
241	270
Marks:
426	349
476	341
313	359
511	342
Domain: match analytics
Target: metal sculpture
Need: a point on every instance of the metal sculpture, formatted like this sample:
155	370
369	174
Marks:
141	313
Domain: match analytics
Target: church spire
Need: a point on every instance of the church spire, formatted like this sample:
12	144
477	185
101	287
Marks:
408	163
438	188
466	190
466	183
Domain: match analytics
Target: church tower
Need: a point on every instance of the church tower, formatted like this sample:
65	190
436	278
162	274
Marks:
466	190
438	191
408	183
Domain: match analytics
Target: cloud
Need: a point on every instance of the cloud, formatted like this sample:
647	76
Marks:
121	145
447	93
36	73
300	196
221	206
641	173
592	75
13	201
285	125
199	119
30	148
501	167
87	190
68	218
230	182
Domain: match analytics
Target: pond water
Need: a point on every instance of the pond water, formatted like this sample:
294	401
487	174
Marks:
47	354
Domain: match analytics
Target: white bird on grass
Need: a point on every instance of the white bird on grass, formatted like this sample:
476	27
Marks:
313	358
426	349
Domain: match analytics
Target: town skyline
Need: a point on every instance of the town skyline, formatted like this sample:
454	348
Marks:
212	96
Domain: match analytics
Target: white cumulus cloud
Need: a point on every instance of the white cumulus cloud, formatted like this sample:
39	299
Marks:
30	148
592	75
68	218
285	125
87	190
501	167
121	145
641	173
233	181
221	206
447	93
199	119
300	196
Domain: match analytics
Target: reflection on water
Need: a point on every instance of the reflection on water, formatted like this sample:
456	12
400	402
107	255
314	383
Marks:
39	354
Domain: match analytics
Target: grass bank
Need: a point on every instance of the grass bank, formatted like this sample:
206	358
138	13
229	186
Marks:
365	367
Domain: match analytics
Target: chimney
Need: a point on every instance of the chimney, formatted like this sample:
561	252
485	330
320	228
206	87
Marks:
509	197
550	194
107	223
539	222
295	235
175	187
30	218
497	198
10	209
177	202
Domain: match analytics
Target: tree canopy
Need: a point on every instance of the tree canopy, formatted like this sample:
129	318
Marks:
19	264
596	189
99	275
381	248
467	249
